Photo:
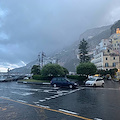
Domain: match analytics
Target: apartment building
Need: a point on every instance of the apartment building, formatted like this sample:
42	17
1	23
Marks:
115	41
104	56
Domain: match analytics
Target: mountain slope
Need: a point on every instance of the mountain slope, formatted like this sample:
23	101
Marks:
92	36
68	56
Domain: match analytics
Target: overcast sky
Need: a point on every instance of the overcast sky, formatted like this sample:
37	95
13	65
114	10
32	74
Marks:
28	27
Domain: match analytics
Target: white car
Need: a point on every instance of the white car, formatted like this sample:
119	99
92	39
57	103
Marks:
26	78
95	81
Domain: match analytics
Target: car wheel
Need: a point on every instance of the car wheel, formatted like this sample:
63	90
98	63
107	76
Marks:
70	86
102	85
54	85
94	85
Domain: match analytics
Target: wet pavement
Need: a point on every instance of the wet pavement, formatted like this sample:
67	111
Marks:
38	102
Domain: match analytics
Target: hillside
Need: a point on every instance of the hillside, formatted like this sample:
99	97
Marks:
93	36
68	56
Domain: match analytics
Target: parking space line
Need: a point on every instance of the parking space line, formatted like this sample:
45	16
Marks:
23	94
42	100
22	101
53	110
97	119
68	111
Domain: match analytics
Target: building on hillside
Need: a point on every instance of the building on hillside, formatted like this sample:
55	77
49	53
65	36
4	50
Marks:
115	40
104	57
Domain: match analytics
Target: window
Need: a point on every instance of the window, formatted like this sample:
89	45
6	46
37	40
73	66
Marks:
108	50
114	64
106	65
99	79
113	58
106	58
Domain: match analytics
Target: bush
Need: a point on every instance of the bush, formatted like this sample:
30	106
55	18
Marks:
77	77
53	70
39	77
86	69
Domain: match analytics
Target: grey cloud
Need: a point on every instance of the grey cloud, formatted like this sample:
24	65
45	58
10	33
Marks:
34	26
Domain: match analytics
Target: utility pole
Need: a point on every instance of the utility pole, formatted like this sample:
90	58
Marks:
57	61
43	55
39	60
8	72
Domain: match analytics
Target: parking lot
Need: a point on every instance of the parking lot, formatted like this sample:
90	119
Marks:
34	102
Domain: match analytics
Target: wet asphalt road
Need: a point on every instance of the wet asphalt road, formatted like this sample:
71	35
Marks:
37	102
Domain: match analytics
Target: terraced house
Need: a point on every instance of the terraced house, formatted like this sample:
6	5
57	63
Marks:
107	53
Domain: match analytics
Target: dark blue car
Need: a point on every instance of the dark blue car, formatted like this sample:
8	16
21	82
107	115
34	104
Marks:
62	82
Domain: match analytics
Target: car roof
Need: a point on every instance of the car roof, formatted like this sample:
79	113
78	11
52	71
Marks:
96	77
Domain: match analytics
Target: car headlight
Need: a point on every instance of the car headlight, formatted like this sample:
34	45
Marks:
75	83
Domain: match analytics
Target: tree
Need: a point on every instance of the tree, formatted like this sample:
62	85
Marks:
65	71
35	70
101	72
86	69
53	70
83	51
113	72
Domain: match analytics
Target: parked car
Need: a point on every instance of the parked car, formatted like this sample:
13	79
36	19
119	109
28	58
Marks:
95	81
62	82
26	78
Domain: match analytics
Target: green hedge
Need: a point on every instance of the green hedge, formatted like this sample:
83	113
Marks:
39	77
77	77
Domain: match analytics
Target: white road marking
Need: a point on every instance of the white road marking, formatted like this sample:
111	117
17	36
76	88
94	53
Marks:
42	100
47	98
68	111
23	94
22	101
46	83
97	119
46	91
60	93
52	97
5	97
56	88
43	106
56	96
36	102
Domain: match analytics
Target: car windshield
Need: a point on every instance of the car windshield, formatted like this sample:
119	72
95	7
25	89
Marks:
92	79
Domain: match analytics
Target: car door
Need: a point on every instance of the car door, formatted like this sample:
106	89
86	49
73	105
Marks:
65	82
59	82
98	82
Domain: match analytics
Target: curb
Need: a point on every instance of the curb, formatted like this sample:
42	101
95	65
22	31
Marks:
36	83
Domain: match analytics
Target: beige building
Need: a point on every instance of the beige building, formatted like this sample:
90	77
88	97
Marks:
110	59
115	41
104	57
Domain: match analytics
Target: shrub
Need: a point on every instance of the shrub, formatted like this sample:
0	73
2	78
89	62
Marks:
77	77
39	77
